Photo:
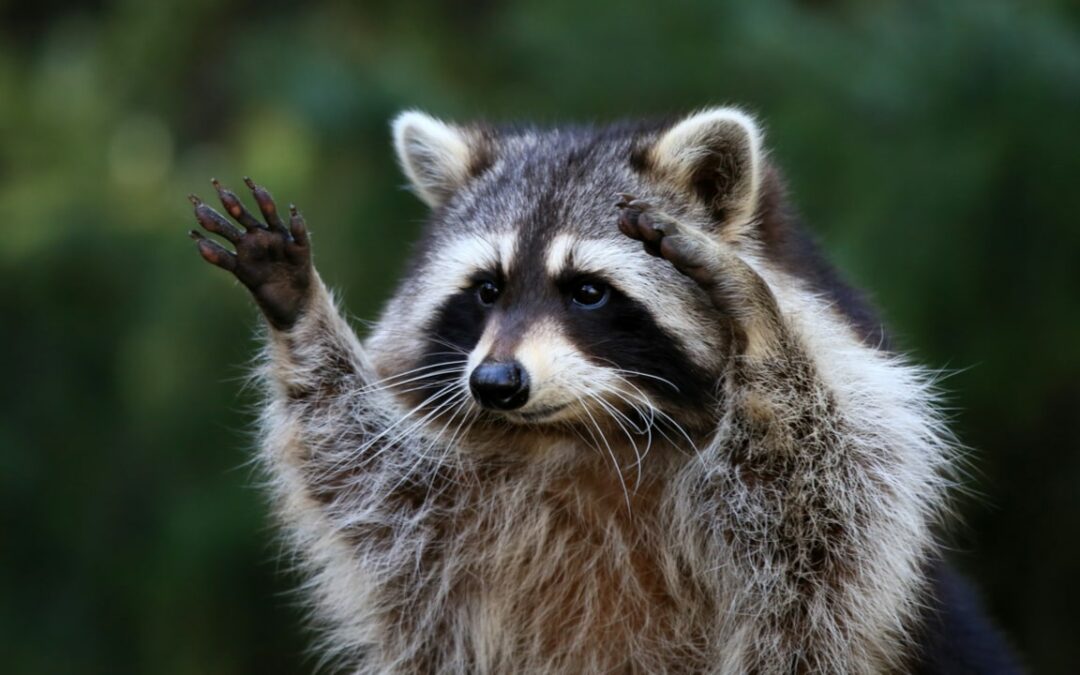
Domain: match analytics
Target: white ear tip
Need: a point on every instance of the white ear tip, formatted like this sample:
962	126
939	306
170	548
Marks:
434	155
700	138
409	120
412	125
704	121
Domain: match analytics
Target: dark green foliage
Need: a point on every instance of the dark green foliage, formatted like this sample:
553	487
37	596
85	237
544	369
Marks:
933	146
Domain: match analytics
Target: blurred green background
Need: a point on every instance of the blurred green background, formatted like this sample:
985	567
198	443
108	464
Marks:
935	147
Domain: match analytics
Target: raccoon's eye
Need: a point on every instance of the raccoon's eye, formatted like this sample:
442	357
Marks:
590	294
487	293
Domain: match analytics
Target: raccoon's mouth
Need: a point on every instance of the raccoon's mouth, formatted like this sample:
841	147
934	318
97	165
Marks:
542	413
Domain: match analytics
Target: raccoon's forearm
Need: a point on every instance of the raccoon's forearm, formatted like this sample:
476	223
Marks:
313	373
317	356
834	492
822	477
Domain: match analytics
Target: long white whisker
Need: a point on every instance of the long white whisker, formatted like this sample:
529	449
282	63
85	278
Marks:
421	387
637	373
644	399
614	413
458	401
395	380
647	420
442	392
611	453
437	410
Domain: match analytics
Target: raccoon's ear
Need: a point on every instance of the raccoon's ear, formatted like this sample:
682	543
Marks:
716	154
438	158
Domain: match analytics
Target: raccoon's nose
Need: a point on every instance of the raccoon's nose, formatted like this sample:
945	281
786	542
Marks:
501	386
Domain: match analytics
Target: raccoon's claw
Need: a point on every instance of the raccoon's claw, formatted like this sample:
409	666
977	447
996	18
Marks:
627	200
273	260
266	205
636	223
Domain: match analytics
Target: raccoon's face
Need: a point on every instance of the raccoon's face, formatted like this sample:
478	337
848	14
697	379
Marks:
526	305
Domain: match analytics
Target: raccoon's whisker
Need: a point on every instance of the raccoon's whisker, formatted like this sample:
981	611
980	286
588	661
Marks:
370	442
440	374
647	420
637	373
611	453
666	420
428	385
432	338
434	412
440	340
464	406
419	387
615	414
594	445
394	380
461	403
407	435
458	401
670	421
662	380
463	429
641	395
644	399
659	418
620	417
641	428
466	417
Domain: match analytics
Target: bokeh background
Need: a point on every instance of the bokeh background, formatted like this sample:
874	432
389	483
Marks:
934	147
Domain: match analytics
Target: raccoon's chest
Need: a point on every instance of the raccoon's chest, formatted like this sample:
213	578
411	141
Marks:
569	574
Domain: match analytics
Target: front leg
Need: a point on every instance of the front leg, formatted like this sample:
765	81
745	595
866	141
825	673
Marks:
794	488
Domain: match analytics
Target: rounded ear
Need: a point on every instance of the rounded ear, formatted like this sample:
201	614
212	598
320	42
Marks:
437	158
716	154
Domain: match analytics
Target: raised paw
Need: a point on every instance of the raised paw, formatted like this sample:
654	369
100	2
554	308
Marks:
730	283
690	251
271	258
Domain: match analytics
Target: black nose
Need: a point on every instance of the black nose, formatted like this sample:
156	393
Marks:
502	386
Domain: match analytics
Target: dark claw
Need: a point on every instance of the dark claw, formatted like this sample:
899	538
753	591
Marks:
297	226
636	222
628	223
648	228
214	222
266	205
232	204
639	225
214	253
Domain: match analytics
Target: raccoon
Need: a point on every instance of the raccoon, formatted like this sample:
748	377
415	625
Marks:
619	416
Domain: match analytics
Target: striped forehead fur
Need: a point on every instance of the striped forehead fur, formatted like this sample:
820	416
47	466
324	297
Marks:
442	273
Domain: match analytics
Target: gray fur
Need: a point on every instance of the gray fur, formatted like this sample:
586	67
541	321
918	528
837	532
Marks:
781	526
